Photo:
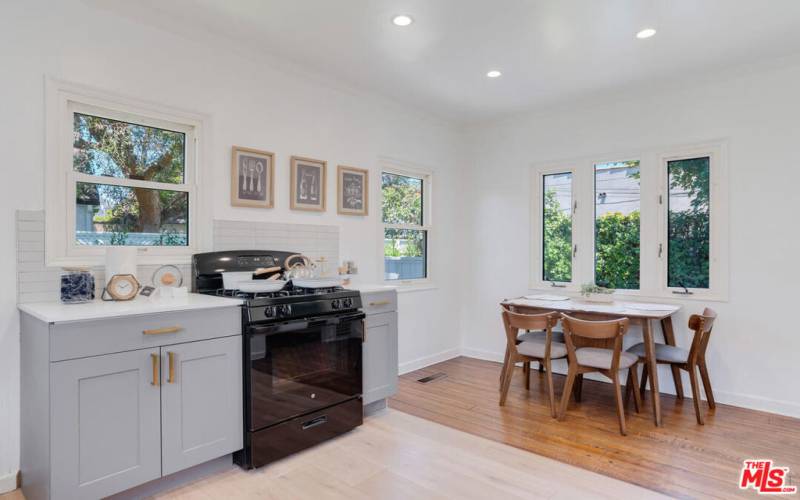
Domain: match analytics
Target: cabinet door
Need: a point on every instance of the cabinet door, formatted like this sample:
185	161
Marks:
105	423
380	357
201	401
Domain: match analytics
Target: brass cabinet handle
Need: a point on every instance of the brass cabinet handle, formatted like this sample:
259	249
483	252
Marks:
171	376
156	378
159	331
381	303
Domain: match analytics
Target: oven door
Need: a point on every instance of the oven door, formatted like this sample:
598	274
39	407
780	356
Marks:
302	366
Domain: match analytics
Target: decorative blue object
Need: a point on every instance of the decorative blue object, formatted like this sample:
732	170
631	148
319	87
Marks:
77	287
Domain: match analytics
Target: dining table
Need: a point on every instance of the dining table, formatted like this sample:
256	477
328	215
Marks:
639	313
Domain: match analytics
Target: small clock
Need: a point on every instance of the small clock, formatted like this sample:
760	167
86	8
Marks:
121	287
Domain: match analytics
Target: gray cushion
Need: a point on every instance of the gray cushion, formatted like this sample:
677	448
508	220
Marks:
535	348
541	336
597	357
664	352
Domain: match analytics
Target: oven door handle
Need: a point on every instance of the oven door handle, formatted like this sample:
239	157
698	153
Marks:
302	325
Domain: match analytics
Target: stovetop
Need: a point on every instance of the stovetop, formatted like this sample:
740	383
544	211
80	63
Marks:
291	303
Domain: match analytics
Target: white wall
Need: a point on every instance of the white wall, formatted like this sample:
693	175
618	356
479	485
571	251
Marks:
753	351
250	105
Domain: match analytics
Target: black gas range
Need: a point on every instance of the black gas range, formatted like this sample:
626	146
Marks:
302	358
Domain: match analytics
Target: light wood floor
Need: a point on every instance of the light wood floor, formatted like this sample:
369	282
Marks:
398	456
680	459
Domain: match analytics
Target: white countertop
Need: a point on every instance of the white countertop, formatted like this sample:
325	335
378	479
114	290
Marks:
57	312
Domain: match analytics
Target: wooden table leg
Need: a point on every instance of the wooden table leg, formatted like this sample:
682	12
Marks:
650	350
669	338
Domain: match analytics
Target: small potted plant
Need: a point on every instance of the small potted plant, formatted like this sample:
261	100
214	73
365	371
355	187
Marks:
593	293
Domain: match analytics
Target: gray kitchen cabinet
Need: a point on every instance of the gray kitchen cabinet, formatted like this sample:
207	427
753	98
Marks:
106	431
201	413
380	364
104	410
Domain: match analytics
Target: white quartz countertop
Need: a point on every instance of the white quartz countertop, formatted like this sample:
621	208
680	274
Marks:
368	288
56	312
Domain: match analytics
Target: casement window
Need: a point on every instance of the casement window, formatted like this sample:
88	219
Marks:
118	175
406	221
652	223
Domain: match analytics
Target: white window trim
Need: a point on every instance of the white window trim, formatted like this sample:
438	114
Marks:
409	170
537	227
718	244
653	230
64	98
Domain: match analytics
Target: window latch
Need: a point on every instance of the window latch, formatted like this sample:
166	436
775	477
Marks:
685	290
574	250
660	250
557	285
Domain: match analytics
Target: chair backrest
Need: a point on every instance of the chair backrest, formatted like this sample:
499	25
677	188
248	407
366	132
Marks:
701	325
514	322
610	331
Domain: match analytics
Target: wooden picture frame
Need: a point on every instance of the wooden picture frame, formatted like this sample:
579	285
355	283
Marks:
352	190
252	178
307	184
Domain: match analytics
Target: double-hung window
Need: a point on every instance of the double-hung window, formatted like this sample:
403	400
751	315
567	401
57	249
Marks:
406	225
651	223
119	176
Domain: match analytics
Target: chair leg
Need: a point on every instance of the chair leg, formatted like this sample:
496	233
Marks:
578	387
643	383
506	381
707	384
628	389
527	369
620	408
695	393
633	376
550	393
562	413
676	378
503	370
541	367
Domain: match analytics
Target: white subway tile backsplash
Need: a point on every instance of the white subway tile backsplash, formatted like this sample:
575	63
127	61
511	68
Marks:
313	240
38	283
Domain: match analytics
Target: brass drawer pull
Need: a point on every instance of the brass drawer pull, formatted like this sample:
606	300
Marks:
156	378
380	303
159	331
171	376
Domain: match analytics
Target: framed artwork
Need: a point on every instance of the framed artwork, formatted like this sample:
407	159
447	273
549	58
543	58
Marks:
352	190
307	184
252	178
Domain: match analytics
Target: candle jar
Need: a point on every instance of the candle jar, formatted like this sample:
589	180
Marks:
77	286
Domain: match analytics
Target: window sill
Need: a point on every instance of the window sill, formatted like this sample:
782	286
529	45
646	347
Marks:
422	287
637	296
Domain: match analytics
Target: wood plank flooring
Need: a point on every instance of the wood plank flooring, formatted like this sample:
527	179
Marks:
681	459
398	456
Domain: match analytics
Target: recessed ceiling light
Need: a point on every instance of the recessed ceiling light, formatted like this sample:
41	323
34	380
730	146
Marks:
645	33
402	20
493	73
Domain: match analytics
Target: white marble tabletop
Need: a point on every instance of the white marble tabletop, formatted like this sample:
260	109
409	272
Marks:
646	310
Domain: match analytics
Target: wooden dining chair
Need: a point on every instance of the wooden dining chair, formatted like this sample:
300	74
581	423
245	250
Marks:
596	346
528	335
692	360
539	349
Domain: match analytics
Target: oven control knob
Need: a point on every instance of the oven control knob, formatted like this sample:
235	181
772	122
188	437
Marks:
348	303
285	310
335	304
269	311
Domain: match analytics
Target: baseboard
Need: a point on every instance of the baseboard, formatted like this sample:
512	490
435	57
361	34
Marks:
8	482
416	364
786	408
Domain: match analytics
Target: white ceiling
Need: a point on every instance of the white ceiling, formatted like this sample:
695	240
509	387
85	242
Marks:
549	51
